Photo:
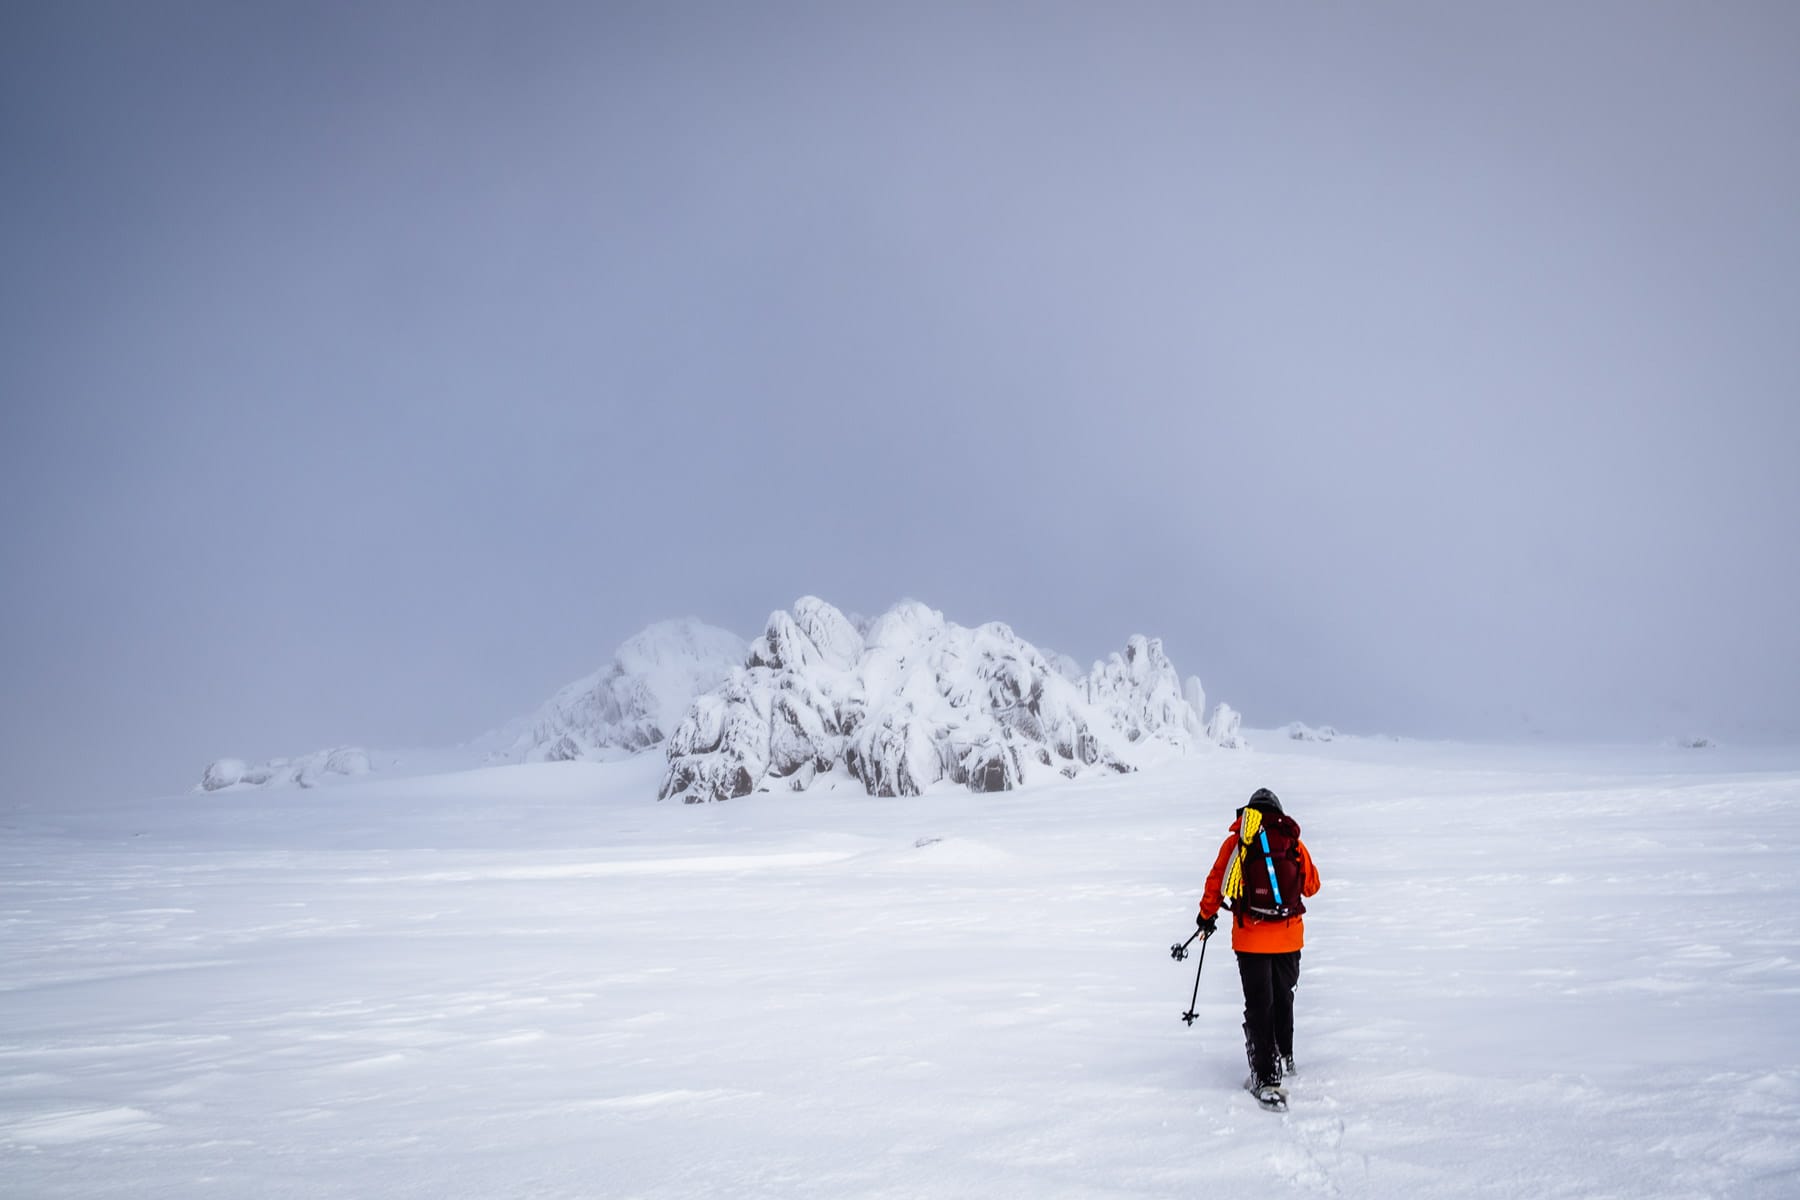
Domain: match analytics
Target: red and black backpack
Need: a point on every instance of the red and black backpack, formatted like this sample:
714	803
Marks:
1274	871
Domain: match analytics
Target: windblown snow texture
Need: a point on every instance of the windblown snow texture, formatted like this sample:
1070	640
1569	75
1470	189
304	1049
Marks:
918	700
527	981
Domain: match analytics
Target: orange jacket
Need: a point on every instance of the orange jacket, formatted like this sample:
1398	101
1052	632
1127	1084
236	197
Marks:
1259	937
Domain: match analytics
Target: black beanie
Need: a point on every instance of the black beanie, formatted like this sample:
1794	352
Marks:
1264	799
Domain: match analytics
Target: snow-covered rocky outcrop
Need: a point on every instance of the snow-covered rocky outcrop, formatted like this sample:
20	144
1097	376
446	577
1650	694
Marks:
897	704
1299	731
634	702
308	770
1223	726
917	700
1142	693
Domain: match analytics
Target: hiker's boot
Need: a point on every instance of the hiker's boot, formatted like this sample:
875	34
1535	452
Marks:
1268	1092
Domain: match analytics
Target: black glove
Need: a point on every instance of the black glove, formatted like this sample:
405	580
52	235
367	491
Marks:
1208	925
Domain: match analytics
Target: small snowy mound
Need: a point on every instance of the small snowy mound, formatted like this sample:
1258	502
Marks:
918	701
634	702
223	774
308	770
1300	732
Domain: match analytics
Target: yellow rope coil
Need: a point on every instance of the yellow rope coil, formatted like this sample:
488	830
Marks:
1248	825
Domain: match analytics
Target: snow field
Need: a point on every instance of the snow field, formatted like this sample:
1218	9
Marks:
1530	973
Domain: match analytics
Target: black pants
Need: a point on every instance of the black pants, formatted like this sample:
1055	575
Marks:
1269	982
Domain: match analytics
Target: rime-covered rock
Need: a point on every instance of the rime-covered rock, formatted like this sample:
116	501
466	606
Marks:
1196	698
837	638
313	769
1145	696
910	700
1222	727
1301	732
223	773
1066	666
309	770
765	727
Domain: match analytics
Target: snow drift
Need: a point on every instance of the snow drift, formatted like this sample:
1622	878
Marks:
916	700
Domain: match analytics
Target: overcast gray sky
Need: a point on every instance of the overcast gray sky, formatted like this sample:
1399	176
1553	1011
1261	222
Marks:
370	371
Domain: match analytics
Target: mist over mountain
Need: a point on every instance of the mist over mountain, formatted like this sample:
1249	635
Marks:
629	705
894	705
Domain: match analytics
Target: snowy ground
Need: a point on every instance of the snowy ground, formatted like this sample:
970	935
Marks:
1531	973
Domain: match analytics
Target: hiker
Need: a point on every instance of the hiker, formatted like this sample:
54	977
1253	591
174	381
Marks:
1261	876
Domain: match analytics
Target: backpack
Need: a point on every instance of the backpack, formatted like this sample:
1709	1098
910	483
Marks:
1273	871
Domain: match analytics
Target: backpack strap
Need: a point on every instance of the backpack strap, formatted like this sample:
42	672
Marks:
1269	862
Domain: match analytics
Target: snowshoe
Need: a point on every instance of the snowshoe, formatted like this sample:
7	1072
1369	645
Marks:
1268	1093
